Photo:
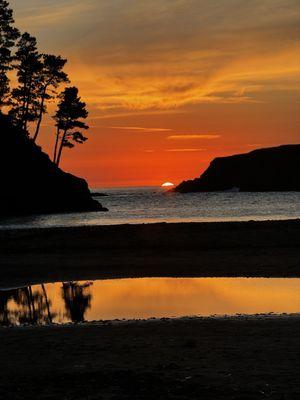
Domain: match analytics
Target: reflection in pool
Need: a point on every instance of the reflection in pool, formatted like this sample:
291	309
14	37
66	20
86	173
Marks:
145	298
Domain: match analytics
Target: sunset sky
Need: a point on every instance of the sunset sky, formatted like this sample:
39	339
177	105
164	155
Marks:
171	84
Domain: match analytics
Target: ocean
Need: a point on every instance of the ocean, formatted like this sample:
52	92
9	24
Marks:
153	204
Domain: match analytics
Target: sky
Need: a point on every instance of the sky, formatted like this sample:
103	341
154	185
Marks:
171	84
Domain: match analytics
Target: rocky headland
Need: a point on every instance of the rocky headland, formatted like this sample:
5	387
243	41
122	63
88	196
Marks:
262	170
32	184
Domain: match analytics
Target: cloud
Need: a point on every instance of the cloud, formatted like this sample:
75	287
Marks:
35	14
192	137
140	129
132	113
129	56
183	150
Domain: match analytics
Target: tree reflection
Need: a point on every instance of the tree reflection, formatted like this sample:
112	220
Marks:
25	306
48	304
77	298
5	313
32	305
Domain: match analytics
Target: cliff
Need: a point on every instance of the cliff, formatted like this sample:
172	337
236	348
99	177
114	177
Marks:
32	184
269	169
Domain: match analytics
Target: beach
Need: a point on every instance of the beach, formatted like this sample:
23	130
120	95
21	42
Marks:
245	249
210	358
237	357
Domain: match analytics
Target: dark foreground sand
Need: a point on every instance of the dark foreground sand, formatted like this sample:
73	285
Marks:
233	358
270	249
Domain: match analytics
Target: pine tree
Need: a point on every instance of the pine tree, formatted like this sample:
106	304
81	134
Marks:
26	96
8	37
50	77
71	110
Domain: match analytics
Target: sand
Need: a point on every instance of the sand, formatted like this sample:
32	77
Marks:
211	359
190	358
269	249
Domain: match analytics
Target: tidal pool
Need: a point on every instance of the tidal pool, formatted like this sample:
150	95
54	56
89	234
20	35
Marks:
63	302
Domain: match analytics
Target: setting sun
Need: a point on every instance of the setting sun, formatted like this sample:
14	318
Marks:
167	184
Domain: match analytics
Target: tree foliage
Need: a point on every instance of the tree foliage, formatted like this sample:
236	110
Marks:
8	36
25	97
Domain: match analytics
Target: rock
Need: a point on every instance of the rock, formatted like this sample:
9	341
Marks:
262	170
32	184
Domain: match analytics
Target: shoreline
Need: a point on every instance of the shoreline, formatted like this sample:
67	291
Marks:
142	222
271	316
216	249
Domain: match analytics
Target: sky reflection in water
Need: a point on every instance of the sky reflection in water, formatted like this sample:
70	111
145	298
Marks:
147	297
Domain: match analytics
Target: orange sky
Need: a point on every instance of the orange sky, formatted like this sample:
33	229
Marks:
172	84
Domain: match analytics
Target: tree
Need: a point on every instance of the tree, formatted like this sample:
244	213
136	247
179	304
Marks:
26	96
50	77
71	110
8	37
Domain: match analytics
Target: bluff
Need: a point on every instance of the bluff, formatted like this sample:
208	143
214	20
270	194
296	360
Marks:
262	170
31	183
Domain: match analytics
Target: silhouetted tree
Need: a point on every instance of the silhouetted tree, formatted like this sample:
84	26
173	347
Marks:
8	36
77	299
26	95
38	78
50	77
71	110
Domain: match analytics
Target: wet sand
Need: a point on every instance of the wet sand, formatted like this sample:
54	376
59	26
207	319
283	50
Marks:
232	358
269	249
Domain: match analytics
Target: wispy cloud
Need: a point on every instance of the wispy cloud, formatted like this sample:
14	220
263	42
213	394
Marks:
134	113
140	129
183	150
189	52
193	137
34	13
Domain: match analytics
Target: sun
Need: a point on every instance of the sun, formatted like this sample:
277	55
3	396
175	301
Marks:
167	184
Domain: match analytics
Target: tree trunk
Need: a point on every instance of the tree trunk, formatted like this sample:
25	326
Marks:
32	305
27	103
29	304
40	115
21	123
47	304
56	145
61	148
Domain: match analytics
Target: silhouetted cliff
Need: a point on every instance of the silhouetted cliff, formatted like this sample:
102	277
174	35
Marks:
32	184
270	169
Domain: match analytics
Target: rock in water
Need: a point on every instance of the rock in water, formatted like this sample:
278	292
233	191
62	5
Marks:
32	184
262	170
